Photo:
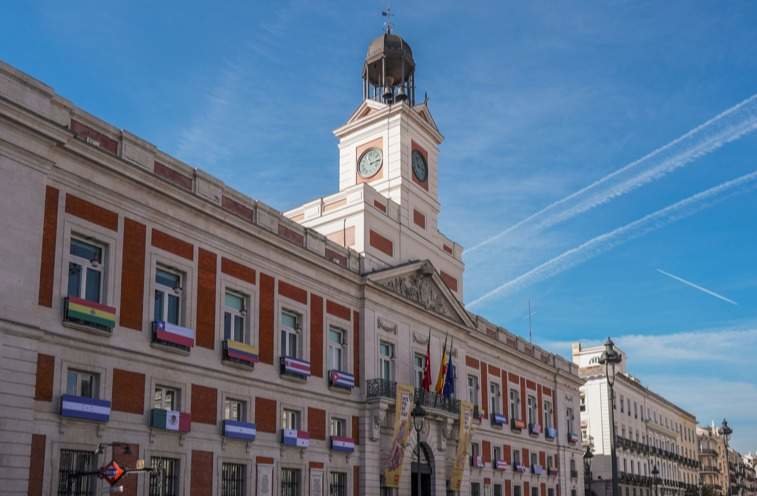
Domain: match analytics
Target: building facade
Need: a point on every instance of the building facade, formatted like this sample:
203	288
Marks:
650	432
151	312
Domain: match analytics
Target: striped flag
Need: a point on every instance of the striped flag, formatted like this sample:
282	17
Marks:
449	380
442	370
427	366
170	420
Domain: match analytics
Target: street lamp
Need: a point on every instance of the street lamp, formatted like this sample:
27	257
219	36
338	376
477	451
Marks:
610	358
418	415
655	478
726	432
587	470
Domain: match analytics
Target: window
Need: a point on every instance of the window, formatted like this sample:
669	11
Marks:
234	410
497	490
164	479
233	479
290	419
85	270
583	403
338	426
474	450
628	402
337	344
290	482
291	334
515	404
550	491
473	389
534	490
497	453
235	316
419	366
495	399
622	402
516	457
548	414
534	459
635	410
166	398
167	295
475	489
386	360
569	419
516	489
337	484
75	461
85	384
532	417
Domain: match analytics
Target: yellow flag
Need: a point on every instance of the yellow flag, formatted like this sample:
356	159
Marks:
442	370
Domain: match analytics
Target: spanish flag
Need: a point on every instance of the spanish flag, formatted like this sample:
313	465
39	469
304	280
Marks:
442	370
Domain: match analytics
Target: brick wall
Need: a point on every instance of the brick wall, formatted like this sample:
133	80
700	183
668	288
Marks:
36	465
133	274
202	473
49	239
266	320
130	392
265	415
43	385
204	404
172	245
238	270
356	345
316	335
206	298
128	458
317	423
90	212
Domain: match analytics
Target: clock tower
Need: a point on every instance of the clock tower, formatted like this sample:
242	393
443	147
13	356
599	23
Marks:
387	206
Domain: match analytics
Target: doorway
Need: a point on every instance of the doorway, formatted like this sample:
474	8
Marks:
424	471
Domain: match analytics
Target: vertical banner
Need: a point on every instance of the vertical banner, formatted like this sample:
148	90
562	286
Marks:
265	480
402	428
463	441
316	482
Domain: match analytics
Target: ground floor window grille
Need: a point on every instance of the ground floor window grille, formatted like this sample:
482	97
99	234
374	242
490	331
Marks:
338	484
290	482
164	479
232	479
72	482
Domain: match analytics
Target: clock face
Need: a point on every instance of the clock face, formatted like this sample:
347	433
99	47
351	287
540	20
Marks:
420	167
369	163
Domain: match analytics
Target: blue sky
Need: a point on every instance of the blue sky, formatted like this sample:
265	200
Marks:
536	101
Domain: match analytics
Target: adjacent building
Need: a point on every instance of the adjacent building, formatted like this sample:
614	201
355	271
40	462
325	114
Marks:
713	466
148	311
650	432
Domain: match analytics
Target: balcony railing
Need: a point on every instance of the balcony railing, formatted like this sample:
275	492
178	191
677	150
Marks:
381	388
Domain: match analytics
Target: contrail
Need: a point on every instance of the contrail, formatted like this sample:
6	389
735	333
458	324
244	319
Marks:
611	239
725	127
696	286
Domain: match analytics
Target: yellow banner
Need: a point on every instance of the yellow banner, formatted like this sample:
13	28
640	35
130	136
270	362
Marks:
402	428
458	467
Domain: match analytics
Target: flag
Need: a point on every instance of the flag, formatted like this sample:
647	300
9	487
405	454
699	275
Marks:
442	370
170	420
427	366
449	380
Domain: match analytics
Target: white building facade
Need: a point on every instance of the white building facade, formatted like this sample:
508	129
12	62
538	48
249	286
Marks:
650	431
153	311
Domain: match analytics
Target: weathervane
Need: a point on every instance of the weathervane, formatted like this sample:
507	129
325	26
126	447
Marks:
388	24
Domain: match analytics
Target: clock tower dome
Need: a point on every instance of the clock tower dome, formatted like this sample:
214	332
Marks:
387	206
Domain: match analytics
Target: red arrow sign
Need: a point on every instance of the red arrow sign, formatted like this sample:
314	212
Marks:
112	472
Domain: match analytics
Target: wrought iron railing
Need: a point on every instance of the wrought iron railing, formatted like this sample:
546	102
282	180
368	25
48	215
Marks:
382	388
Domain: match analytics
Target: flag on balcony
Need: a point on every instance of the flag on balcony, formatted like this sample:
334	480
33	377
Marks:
449	380
500	465
84	408
427	366
344	444
293	437
340	379
295	367
239	430
241	352
166	332
170	420
440	379
90	313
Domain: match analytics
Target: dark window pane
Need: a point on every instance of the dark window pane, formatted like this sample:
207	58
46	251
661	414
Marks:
74	279
86	251
226	325
93	286
173	309
158	306
167	278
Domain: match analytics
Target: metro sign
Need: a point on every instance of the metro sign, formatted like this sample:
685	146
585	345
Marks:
112	472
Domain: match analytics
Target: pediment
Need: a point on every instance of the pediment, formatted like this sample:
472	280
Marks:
420	283
425	113
366	108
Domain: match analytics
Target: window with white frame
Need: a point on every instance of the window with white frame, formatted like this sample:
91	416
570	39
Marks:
338	427
534	459
85	269
495	398
473	389
516	490
474	450
532	416
290	419
234	409
386	360
515	404
291	334
84	384
516	457
337	345
166	398
235	316
419	366
570	420
548	414
168	294
497	453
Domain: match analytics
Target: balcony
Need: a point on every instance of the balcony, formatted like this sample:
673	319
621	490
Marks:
477	461
381	388
294	367
295	438
534	429
342	444
172	335
243	431
88	313
340	379
238	352
498	419
550	433
82	408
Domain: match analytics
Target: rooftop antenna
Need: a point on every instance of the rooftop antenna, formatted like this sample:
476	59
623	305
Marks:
388	23
530	335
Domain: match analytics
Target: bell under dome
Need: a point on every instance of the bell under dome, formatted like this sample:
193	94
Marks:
389	70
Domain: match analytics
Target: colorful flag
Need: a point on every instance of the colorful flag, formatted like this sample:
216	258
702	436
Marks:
402	428
427	366
449	380
442	370
170	420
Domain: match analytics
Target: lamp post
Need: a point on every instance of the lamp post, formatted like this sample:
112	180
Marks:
610	358
418	415
655	478
726	432
587	470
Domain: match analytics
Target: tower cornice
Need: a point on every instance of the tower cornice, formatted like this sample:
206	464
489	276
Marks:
381	111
